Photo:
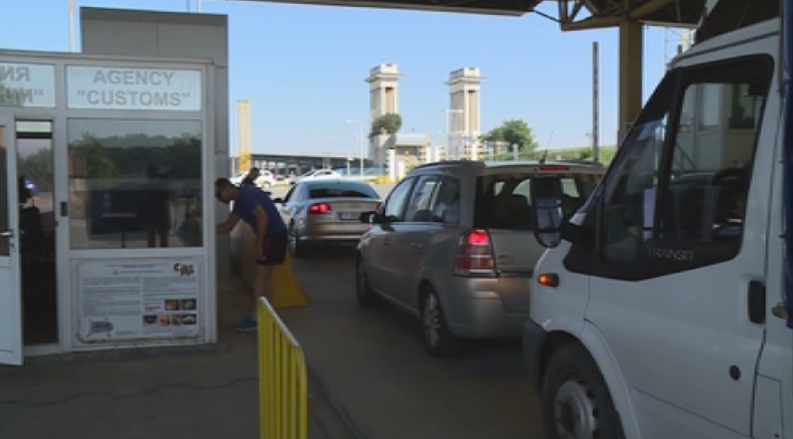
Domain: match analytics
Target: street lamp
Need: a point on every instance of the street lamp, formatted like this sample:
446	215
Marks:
361	124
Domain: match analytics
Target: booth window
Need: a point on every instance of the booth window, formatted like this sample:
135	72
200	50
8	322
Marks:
135	183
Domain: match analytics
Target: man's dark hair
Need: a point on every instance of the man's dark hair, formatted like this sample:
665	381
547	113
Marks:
253	169
223	183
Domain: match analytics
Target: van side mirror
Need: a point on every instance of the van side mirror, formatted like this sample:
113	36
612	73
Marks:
278	201
546	202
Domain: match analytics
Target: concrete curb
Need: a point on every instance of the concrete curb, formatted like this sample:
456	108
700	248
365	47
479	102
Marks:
131	353
337	406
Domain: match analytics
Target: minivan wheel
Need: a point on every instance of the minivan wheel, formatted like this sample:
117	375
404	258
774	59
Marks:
576	403
438	339
363	289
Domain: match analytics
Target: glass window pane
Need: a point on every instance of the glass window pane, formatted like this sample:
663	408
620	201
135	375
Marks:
4	244
395	205
630	192
509	206
135	184
420	203
710	106
710	174
446	208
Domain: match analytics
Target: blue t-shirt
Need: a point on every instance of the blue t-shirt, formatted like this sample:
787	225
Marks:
252	196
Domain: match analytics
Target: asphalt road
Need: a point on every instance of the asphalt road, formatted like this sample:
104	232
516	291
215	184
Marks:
374	364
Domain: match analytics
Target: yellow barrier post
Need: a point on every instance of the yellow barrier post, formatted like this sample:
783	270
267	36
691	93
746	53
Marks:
287	291
283	383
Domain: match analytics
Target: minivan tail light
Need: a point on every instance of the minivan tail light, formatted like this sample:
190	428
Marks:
319	208
475	254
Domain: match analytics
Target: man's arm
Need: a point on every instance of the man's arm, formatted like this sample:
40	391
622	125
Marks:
261	227
228	225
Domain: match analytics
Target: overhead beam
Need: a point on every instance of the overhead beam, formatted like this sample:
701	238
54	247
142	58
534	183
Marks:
592	23
648	8
513	12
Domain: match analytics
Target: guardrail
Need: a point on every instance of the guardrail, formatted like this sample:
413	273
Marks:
283	383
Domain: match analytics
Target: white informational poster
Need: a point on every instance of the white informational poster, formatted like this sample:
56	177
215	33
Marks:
27	85
122	88
122	300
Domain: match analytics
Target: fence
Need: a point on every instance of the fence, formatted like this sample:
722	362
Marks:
283	384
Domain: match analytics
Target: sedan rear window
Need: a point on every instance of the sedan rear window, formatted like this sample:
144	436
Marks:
342	190
503	200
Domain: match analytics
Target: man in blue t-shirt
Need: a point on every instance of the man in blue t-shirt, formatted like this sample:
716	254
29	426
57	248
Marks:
255	208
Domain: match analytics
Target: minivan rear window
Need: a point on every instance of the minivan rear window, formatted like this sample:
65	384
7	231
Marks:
503	200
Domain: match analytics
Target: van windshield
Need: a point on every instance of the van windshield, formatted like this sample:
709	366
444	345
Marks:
503	200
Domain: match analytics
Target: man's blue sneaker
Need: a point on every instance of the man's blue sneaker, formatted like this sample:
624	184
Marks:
248	325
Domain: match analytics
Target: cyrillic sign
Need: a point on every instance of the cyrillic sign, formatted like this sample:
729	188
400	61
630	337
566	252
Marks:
133	89
27	85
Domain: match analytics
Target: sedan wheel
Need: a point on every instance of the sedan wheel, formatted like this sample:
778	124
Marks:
295	247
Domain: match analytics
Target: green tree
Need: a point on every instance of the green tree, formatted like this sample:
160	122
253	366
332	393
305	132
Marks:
388	123
514	131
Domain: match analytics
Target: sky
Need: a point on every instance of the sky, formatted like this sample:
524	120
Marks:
303	67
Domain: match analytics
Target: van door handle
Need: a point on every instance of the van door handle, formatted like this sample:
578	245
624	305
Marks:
756	302
7	234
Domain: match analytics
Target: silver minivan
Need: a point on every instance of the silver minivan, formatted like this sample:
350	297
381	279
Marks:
454	245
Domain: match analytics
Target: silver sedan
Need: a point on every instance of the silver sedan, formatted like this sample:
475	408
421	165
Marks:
326	211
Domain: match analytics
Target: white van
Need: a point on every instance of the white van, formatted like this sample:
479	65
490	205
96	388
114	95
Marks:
664	310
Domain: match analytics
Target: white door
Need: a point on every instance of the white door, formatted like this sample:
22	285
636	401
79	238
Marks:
10	292
678	286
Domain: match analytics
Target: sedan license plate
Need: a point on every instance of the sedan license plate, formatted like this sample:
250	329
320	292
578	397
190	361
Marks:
349	216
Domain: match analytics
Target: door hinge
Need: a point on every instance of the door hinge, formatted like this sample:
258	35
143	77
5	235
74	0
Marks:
780	310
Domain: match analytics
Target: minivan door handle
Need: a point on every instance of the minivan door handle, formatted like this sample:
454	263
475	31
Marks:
756	302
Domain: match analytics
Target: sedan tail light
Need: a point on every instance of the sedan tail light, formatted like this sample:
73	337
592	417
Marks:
319	209
475	255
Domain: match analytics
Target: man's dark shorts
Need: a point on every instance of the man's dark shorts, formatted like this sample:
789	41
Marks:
273	249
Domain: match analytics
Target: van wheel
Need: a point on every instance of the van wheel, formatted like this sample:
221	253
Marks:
438	339
363	289
576	403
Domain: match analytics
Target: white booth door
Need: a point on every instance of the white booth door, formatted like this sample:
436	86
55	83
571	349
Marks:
10	293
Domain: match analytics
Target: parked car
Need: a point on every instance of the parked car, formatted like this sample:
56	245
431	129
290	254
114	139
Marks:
320	174
454	245
326	211
265	181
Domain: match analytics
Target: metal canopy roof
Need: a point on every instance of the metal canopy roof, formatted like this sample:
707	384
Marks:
571	15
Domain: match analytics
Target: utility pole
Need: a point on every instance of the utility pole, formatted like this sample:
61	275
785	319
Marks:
595	103
361	124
